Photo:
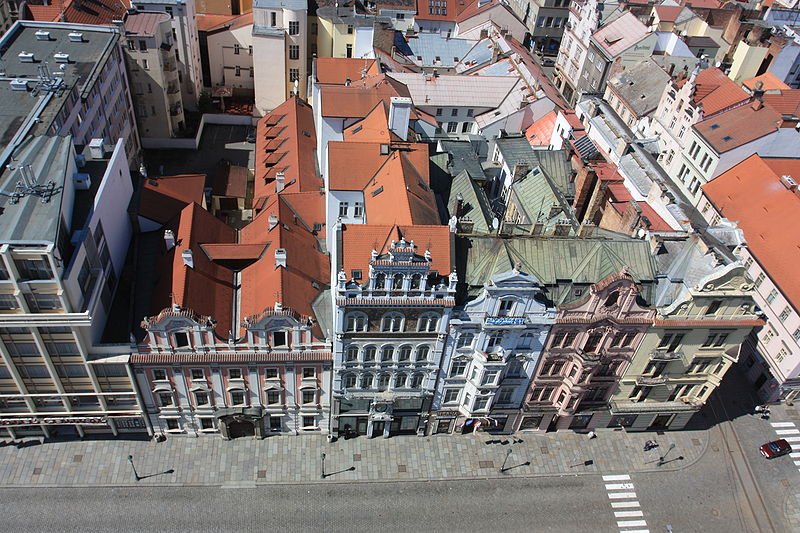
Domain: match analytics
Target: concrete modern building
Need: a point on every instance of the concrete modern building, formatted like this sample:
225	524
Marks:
280	34
393	301
186	44
66	79
153	74
492	352
63	249
761	196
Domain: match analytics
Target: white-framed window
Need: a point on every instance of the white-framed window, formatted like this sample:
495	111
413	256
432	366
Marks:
458	368
416	381
309	372
400	380
773	294
351	354
294	52
294	27
309	422
198	374
428	322
422	353
387	353
369	353
494	340
237	397
271	373
465	340
201	398
358	209
182	339
785	314
165	399
489	377
356	322
383	382
481	403
309	396
366	381
273	397
392	322
344	207
404	353
450	396
280	339
349	381
294	74
159	374
234	373
506	306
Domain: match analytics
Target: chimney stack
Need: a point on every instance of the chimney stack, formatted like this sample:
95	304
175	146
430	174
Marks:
169	239
280	257
188	258
280	181
273	221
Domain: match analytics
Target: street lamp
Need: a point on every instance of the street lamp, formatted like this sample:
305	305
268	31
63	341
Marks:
323	466
503	468
135	473
661	460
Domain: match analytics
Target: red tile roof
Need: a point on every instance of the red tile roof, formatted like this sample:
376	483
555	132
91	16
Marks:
753	195
769	82
102	12
164	197
668	13
448	9
539	133
474	8
351	165
207	22
337	70
785	102
739	126
358	241
286	142
715	91
229	180
144	23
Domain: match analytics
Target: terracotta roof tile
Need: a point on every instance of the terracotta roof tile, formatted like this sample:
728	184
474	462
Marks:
785	102
769	82
453	9
358	241
352	165
753	195
668	13
739	126
715	91
539	133
337	70
161	199
101	12
229	180
228	251
208	22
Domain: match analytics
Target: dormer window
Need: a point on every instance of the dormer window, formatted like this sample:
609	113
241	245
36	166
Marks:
612	299
505	307
279	339
397	282
356	322
181	339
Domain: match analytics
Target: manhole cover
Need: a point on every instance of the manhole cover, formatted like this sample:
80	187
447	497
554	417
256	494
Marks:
696	442
77	459
486	464
262	474
544	450
401	468
356	457
37	471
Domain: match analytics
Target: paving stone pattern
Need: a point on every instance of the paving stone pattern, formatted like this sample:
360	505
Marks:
213	461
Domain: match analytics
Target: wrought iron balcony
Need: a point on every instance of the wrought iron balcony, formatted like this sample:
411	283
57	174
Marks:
664	354
650	381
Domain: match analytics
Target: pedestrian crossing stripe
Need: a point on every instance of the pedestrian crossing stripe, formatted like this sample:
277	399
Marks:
619	486
795	455
628	514
623	505
620	477
795	438
793	431
631	523
636	531
782	424
621	495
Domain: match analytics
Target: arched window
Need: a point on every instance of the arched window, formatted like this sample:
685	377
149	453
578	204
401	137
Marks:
465	339
356	322
380	281
526	340
611	299
397	282
387	353
428	322
416	381
404	353
349	381
506	306
366	381
400	381
422	353
351	354
392	322
369	353
383	382
416	281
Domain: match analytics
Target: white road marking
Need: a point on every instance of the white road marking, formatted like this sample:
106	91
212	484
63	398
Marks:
619	486
623	505
795	455
621	495
782	424
793	431
792	439
631	523
797	463
621	477
628	514
636	531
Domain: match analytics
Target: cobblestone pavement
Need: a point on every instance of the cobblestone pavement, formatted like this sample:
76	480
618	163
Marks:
249	462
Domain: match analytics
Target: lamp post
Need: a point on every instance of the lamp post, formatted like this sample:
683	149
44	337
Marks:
323	466
135	473
661	459
503	468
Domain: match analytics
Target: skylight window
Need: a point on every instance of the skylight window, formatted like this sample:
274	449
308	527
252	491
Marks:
727	138
714	126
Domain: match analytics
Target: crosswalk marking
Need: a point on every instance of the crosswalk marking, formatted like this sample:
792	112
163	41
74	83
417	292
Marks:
636	531
797	463
782	424
791	434
621	495
795	455
631	523
624	505
619	486
628	514
621	477
788	431
792	439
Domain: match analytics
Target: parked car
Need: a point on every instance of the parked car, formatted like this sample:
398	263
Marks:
548	62
775	448
251	135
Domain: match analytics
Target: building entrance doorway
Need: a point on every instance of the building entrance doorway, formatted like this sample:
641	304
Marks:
241	428
661	422
377	428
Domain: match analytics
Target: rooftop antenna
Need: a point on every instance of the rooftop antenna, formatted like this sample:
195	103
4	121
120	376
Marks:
29	185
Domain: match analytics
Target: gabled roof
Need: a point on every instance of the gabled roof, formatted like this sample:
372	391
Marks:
360	97
215	23
461	91
163	198
640	86
769	82
715	91
229	180
473	201
739	126
753	195
337	70
358	241
444	10
100	12
620	34
539	133
668	13
285	142
786	102
372	128
351	165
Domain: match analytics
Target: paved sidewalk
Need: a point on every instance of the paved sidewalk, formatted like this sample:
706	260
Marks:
249	462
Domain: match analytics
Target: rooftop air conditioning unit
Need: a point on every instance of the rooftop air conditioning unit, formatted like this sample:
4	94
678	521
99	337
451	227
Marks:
82	181
19	85
75	37
26	57
61	58
42	35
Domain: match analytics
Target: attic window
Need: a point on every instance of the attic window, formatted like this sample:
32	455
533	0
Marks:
317	227
714	126
384	149
455	59
611	39
356	274
535	172
307	134
358	128
419	58
727	138
377	191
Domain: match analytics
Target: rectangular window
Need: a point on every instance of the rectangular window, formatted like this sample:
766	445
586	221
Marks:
759	280
235	373
481	404
201	398
172	424
309	422
145	64
294	74
349	29
438	111
251	71
772	295
238	71
206	423
159	374
358	209
309	396
343	208
236	49
273	19
713	308
279	338
165	399
237	397
458	368
38	301
30	269
143	45
271	373
450	396
8	302
294	27
294	52
273	397
275	423
349	50
452	127
308	373
787	311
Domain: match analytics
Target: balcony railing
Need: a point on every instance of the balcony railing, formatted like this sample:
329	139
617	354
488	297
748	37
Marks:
175	110
173	88
664	354
650	381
